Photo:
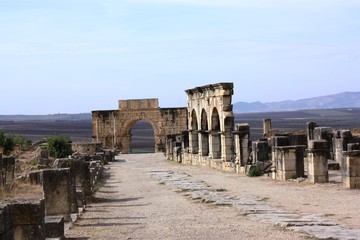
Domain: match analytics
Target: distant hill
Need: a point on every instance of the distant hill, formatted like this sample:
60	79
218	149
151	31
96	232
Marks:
49	117
341	100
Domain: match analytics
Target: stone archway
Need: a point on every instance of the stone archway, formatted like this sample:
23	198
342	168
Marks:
118	123
125	131
212	104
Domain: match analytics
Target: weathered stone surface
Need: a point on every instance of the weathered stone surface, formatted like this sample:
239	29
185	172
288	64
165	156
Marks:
54	226
27	219
56	187
288	162
351	169
112	128
210	124
27	212
255	207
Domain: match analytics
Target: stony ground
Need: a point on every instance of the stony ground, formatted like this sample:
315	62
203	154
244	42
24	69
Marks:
146	197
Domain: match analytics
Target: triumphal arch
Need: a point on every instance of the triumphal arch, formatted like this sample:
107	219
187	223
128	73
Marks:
113	128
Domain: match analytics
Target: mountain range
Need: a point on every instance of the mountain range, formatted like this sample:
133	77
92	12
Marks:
340	100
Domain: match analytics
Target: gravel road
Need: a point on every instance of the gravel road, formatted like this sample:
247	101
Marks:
146	197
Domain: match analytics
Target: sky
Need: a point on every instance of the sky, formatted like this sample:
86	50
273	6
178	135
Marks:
75	56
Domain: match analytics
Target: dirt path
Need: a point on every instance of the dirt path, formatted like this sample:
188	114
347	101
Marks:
146	197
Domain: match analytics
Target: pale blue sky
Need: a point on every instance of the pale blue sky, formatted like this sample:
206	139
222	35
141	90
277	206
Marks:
70	56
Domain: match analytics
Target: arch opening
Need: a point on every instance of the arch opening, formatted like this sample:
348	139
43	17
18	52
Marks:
142	139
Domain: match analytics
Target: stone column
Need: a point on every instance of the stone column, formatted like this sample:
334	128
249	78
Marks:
325	133
266	126
56	187
340	142
351	167
193	142
226	147
215	145
242	141
260	151
310	130
169	148
317	161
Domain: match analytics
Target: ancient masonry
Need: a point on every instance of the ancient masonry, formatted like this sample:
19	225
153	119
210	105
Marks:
113	128
67	184
204	134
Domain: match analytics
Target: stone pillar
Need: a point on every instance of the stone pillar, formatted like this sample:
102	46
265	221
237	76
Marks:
87	186
27	219
244	134
317	161
73	165
194	142
325	133
125	143
340	142
260	151
169	148
289	162
226	147
310	130
215	145
266	126
56	187
351	167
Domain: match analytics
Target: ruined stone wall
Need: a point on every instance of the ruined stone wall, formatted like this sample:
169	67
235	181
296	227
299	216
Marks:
210	123
113	128
104	127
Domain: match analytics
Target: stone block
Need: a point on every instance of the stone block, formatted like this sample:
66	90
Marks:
318	145
27	219
322	133
54	226
57	192
27	212
29	232
351	182
280	141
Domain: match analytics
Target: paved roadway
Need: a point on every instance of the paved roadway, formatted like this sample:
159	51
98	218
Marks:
147	197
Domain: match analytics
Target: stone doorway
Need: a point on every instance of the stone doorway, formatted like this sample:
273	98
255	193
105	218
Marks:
142	138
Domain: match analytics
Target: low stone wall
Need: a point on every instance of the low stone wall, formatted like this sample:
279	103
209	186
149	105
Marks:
67	186
22	219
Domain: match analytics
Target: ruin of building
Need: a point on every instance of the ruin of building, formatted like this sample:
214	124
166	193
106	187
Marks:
113	128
